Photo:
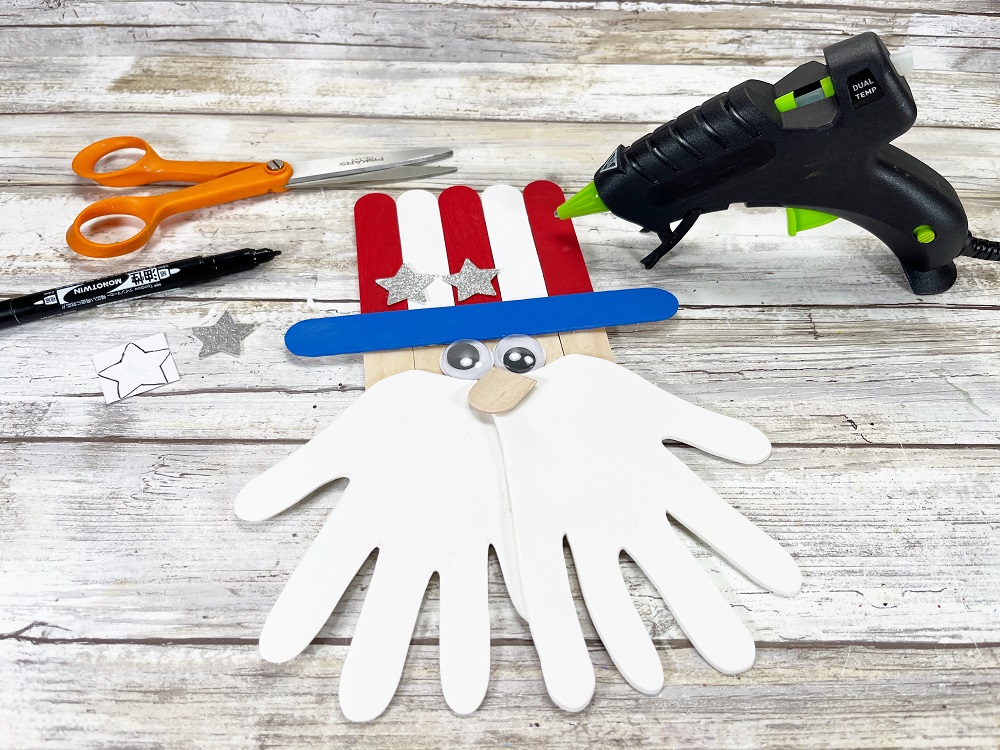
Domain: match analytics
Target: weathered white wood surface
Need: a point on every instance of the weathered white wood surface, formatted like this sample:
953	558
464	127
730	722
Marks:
225	696
960	35
130	594
467	91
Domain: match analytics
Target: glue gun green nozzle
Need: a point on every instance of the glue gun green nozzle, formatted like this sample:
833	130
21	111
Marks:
587	201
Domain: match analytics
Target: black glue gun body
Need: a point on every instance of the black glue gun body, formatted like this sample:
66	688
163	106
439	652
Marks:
817	143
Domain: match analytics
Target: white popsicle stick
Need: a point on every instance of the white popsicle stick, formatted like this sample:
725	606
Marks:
520	272
421	237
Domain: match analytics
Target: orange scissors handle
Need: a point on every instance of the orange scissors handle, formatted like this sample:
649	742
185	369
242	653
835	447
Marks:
244	181
151	167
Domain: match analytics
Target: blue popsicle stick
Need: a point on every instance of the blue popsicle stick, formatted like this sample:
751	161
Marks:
403	329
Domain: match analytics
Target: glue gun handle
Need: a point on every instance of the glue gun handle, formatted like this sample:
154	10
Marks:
907	205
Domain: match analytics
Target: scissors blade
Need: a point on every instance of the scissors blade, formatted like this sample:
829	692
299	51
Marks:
396	174
369	165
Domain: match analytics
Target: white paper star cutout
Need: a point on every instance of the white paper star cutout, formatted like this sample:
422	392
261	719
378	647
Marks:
138	368
473	280
406	285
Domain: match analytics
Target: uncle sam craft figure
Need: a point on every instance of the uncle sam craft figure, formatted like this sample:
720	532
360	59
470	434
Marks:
523	444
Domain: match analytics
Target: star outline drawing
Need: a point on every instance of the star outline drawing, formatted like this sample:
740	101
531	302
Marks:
142	383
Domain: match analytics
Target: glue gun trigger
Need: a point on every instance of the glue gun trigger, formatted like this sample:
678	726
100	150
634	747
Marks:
669	239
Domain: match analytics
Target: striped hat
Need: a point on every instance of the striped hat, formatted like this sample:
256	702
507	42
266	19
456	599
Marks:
535	254
541	285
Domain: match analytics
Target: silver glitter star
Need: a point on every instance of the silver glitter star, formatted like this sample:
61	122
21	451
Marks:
406	285
224	335
473	280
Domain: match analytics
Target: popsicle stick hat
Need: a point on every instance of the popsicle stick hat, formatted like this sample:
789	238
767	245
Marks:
433	270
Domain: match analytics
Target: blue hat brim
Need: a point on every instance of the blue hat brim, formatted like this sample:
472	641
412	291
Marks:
404	329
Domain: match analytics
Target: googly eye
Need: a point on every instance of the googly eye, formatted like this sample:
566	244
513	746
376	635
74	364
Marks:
467	359
519	354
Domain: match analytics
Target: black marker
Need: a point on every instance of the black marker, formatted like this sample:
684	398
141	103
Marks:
128	285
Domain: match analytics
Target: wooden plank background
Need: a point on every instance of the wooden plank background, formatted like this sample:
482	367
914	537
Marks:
130	594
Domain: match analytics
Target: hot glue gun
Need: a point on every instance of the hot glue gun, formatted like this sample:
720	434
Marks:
815	143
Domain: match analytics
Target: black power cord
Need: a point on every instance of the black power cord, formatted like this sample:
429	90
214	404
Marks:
981	249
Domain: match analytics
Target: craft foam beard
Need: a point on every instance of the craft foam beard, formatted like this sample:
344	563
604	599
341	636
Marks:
435	481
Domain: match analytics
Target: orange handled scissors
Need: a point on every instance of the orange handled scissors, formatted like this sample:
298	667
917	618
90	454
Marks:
220	182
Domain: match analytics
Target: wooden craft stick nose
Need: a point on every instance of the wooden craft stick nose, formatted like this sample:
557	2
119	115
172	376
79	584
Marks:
499	391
